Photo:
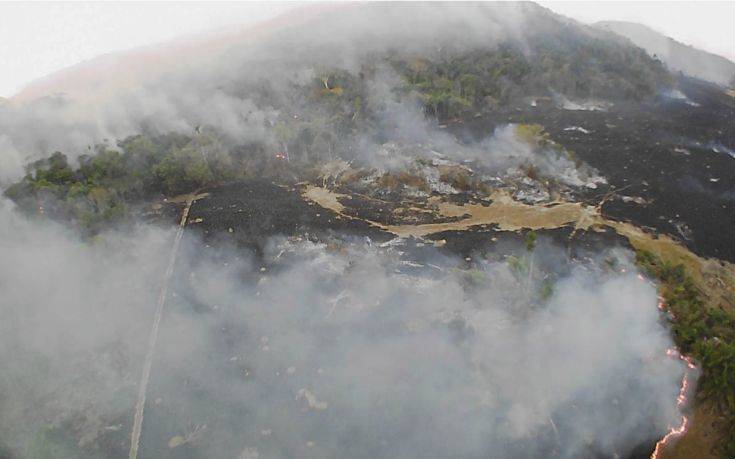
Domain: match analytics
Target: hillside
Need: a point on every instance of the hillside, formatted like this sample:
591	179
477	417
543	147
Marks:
677	56
247	83
370	230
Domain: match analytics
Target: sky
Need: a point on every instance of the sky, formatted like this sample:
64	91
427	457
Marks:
39	38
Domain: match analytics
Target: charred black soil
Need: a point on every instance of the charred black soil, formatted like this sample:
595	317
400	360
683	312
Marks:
668	169
248	214
671	153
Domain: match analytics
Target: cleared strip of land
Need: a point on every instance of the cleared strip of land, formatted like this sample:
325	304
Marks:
153	338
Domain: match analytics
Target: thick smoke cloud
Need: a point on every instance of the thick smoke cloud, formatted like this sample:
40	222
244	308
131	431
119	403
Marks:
501	152
328	351
316	350
11	161
74	320
240	84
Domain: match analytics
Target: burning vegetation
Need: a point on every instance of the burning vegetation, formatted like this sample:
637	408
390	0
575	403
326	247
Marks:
412	246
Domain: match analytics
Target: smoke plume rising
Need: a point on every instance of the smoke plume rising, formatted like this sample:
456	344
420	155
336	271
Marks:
323	353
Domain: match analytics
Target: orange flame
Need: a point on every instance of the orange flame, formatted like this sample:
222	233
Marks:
681	400
673	433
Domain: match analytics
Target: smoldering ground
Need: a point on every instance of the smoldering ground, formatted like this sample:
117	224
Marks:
328	349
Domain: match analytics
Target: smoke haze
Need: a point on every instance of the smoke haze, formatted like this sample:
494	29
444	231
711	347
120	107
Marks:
329	353
242	83
327	348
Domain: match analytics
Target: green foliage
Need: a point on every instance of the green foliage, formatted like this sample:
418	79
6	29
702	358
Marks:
442	87
476	276
706	333
564	62
183	169
329	116
533	134
54	170
546	289
101	189
530	240
517	265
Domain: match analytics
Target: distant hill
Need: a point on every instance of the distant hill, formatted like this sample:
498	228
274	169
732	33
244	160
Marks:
677	56
125	70
344	71
585	62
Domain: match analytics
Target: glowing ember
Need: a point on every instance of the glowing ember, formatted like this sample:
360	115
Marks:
681	400
673	433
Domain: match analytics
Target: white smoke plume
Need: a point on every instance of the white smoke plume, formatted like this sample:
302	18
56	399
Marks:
240	83
312	351
326	353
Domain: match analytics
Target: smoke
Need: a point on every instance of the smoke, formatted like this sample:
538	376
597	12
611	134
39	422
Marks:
11	161
317	349
241	84
328	349
75	317
504	151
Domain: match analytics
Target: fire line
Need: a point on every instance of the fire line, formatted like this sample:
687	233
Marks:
681	400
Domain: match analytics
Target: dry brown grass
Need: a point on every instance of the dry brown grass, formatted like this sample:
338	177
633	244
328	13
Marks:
394	182
701	439
459	178
714	278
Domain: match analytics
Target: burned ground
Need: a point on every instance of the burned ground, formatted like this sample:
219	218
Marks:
248	214
667	166
423	302
189	414
663	152
668	170
194	409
